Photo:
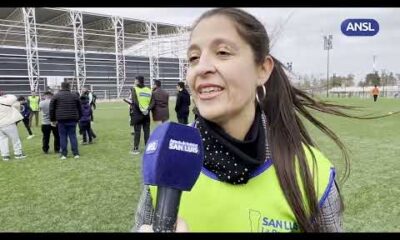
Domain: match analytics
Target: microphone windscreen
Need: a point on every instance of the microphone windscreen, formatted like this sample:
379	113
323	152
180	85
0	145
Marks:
173	156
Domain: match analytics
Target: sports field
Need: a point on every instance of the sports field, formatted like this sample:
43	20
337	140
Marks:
99	191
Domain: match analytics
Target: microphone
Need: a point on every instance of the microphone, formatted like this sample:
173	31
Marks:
172	161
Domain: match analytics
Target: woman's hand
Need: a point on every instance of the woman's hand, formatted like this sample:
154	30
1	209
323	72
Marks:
181	226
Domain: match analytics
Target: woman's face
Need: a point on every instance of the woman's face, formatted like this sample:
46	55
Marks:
222	73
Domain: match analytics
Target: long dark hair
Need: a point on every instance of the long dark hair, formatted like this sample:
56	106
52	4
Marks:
283	104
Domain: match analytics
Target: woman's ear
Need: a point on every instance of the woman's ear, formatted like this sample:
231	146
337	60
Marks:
266	70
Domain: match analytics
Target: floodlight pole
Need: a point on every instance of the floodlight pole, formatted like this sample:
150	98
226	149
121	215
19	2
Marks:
327	46
327	75
289	66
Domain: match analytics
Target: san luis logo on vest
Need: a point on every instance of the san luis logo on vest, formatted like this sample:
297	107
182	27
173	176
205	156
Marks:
260	223
360	27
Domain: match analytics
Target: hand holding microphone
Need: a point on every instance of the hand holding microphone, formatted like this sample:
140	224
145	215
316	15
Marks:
181	226
172	161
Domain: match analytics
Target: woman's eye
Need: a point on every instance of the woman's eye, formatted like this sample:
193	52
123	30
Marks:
223	53
193	58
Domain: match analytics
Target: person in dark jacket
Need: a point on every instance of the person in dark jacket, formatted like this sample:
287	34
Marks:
25	112
182	103
65	108
159	103
84	121
90	98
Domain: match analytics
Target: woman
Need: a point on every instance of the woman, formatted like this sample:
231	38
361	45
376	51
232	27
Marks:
261	170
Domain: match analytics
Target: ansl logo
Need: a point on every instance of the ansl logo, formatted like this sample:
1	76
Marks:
360	27
151	147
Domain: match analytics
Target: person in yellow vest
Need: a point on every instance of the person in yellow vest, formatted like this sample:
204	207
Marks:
375	92
140	117
262	171
33	103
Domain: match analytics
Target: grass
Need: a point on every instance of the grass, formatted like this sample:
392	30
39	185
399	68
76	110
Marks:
372	191
99	191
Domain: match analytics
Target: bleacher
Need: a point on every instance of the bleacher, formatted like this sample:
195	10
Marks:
100	71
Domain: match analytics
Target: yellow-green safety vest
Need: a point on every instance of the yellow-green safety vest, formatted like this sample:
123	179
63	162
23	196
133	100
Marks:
34	103
143	96
257	206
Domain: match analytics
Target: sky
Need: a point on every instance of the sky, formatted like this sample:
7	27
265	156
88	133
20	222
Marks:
297	36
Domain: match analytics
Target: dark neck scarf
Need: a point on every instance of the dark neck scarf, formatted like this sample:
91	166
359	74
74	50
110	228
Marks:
232	160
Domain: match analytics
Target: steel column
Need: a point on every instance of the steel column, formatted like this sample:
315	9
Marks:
119	53
79	43
32	55
153	52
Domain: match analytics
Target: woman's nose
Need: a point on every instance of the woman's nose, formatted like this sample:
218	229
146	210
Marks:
205	65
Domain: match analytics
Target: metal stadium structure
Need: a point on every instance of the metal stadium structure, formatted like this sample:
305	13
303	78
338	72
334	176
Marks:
103	53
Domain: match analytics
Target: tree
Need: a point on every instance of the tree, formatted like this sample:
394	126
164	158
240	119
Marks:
304	82
338	81
390	79
315	83
372	79
350	80
398	76
335	81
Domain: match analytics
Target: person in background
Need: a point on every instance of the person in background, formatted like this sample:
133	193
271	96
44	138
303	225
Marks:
65	111
159	103
26	113
182	103
9	115
84	121
33	103
47	126
141	96
130	115
375	92
91	98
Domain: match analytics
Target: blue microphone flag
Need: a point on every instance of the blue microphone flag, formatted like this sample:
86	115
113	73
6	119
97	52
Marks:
173	156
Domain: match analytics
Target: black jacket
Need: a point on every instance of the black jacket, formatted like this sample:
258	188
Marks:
182	104
65	105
